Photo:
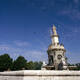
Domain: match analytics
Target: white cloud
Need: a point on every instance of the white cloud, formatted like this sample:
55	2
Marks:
71	10
4	48
76	1
36	55
21	43
14	52
72	13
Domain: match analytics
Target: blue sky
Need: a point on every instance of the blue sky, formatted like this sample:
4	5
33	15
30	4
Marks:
25	27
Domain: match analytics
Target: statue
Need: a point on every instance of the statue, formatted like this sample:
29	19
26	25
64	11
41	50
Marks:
56	53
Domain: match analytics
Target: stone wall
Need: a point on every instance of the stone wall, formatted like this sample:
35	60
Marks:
40	75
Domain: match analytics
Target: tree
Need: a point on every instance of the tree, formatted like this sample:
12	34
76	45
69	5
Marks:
78	66
30	65
33	65
5	62
38	65
19	63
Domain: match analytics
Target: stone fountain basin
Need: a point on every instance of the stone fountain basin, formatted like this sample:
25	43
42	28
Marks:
40	75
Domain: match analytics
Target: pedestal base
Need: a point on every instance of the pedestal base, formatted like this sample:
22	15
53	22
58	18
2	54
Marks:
40	75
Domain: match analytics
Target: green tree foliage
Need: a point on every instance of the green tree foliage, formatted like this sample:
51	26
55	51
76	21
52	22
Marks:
33	65
5	62
38	65
78	66
19	63
30	65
